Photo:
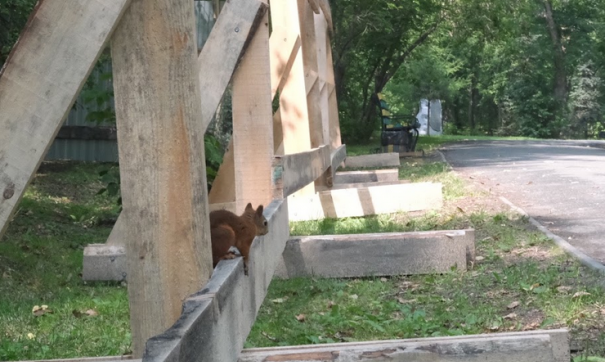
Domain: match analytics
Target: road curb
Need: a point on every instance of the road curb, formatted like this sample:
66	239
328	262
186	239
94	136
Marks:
562	243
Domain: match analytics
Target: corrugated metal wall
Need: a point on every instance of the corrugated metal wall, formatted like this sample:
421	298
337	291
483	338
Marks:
107	151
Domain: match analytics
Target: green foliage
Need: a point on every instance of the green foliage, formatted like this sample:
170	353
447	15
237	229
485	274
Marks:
13	16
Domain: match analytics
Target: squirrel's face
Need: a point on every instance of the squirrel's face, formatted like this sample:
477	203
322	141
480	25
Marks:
262	226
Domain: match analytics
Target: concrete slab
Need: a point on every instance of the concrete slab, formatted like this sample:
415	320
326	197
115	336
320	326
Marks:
366	201
357	185
374	160
383	254
104	262
344	177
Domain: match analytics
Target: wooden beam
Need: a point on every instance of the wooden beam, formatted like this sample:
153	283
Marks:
337	158
293	97
530	346
161	146
315	6
228	40
327	12
335	139
216	63
284	50
322	59
367	201
252	125
39	83
216	320
295	171
378	254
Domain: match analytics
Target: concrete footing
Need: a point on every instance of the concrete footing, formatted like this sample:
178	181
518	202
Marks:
373	160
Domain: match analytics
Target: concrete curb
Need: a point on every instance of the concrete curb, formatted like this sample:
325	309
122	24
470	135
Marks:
562	243
571	143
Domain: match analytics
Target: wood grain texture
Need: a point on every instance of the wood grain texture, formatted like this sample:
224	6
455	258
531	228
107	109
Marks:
161	147
532	346
252	123
40	81
216	320
284	48
297	170
321	43
293	97
228	41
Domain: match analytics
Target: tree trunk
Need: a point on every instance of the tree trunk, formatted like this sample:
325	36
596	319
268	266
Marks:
560	81
472	103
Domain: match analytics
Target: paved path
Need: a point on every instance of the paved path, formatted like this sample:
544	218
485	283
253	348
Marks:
561	185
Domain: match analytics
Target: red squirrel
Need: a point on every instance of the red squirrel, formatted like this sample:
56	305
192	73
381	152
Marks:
229	230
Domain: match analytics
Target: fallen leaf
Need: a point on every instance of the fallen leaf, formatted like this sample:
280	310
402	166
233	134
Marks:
278	300
494	327
479	258
91	313
513	305
269	337
580	294
300	317
460	209
563	289
331	304
353	296
31	336
511	316
405	301
40	310
531	326
383	279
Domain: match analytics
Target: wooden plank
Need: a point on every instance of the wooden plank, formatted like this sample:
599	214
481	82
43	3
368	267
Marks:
224	48
252	125
216	321
367	201
322	58
297	170
40	81
344	177
284	49
161	144
293	97
373	160
531	346
327	12
216	63
315	6
377	254
337	158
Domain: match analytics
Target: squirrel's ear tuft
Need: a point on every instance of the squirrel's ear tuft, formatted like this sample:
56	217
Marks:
259	210
249	207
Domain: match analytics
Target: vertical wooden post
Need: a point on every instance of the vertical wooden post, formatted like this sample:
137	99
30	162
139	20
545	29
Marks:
312	82
293	97
161	154
321	29
253	124
335	139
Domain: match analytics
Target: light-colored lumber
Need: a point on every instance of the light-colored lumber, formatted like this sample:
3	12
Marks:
367	201
531	346
327	13
293	97
345	177
315	6
335	138
378	254
293	172
368	184
337	158
228	40
252	125
40	81
284	48
373	160
216	320
161	146
223	186
321	42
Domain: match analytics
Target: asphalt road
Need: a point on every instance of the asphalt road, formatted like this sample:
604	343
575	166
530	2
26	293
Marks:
561	185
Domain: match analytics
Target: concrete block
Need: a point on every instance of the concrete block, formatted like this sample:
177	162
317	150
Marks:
488	348
363	255
369	184
366	201
104	262
373	160
344	177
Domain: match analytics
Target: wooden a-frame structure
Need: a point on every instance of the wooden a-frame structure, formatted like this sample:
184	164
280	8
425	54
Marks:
165	96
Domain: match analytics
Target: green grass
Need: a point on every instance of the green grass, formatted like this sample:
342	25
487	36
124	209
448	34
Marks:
516	264
41	259
40	264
